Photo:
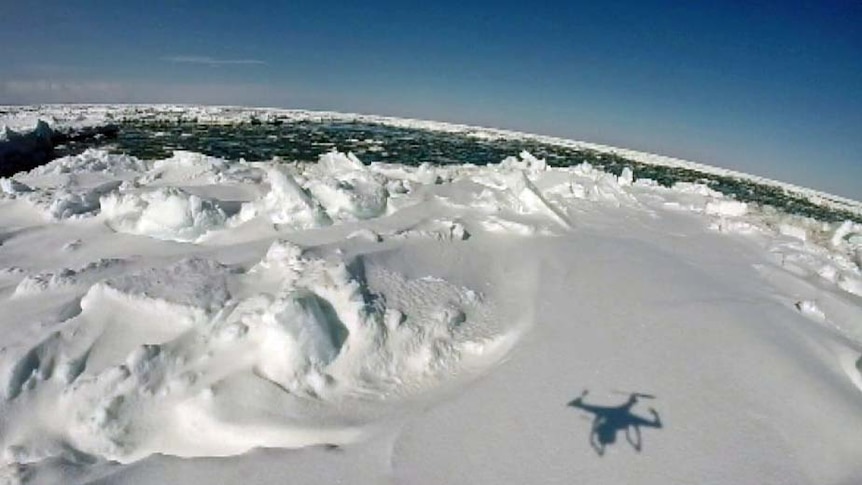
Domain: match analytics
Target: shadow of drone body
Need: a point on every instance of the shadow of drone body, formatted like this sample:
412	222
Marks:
608	421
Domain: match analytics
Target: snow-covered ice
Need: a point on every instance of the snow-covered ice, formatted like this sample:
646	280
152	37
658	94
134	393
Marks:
196	320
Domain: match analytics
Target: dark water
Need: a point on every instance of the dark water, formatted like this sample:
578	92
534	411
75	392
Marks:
305	141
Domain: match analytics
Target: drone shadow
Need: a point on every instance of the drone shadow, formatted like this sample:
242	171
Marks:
609	421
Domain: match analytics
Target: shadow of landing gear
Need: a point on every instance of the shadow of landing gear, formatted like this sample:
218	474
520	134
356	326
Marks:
608	421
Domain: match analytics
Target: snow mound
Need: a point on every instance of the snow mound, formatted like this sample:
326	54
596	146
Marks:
339	188
286	203
526	162
165	213
437	229
33	141
69	201
13	128
848	235
346	189
335	162
811	309
584	182
189	167
12	187
529	200
92	161
193	282
51	121
166	360
38	283
726	208
187	159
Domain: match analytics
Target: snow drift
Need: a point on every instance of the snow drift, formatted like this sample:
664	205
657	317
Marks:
429	322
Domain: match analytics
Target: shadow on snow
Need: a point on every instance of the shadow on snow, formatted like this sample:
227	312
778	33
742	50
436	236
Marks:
608	421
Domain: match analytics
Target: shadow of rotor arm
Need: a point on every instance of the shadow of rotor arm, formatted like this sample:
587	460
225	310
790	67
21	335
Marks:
579	403
636	441
595	441
656	422
635	420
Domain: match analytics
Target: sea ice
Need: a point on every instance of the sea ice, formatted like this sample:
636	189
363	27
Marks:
163	213
366	317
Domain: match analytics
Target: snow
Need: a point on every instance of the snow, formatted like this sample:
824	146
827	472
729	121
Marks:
90	115
17	129
195	320
72	117
13	187
286	203
23	120
729	208
93	162
163	213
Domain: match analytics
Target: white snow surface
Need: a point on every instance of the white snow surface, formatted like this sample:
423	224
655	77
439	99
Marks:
19	120
194	320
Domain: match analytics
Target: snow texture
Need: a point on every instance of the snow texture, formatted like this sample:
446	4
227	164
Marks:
196	320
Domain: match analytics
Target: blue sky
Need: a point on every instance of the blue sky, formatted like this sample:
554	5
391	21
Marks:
770	88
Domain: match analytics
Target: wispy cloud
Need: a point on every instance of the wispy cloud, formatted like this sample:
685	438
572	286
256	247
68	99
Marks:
212	61
49	90
37	91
